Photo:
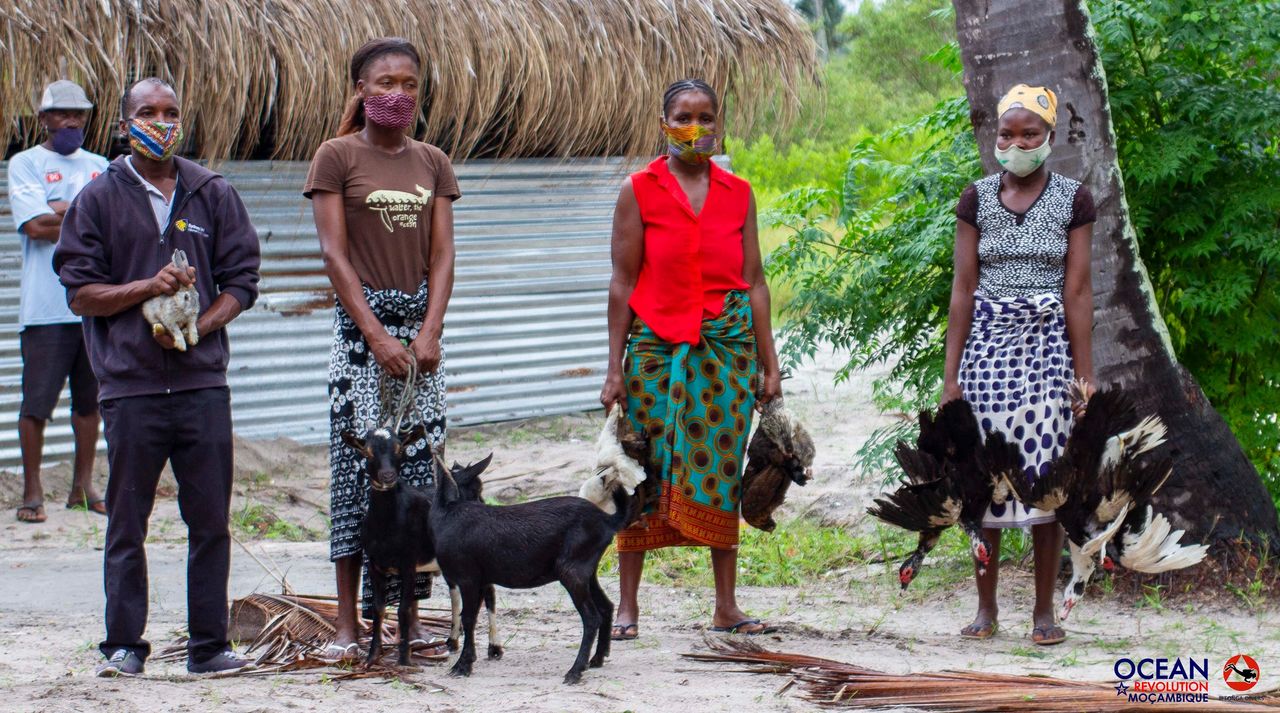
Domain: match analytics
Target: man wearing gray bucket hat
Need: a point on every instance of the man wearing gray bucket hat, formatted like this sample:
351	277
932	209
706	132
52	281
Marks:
43	180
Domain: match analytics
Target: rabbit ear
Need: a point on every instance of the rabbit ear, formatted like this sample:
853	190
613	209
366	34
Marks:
180	259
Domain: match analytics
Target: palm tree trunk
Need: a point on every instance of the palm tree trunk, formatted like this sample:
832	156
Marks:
1215	492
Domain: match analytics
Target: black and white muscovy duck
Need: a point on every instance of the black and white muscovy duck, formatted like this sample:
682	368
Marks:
1101	487
951	478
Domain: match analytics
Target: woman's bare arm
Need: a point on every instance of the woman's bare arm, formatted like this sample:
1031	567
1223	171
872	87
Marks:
426	346
627	250
1077	296
960	316
761	320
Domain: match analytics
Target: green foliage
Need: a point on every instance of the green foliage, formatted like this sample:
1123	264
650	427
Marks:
773	171
877	79
879	289
799	551
1195	100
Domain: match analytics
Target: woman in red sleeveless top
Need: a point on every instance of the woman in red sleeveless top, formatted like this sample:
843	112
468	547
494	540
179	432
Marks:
689	311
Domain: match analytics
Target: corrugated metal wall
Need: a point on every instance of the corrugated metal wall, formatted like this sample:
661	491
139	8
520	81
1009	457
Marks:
525	333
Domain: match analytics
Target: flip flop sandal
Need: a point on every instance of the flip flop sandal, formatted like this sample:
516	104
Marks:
980	633
341	654
745	622
423	644
437	651
98	506
36	509
1046	632
625	632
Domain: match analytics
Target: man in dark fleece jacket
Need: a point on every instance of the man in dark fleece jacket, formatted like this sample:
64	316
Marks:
159	404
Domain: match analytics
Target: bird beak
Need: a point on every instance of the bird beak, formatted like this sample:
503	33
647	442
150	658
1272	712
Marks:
1108	564
1066	608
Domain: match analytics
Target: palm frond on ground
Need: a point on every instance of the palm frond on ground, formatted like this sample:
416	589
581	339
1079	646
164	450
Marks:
837	684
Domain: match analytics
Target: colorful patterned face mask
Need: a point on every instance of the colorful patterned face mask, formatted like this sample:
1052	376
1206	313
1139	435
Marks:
156	140
692	144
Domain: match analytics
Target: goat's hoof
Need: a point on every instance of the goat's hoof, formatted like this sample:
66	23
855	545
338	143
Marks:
452	644
460	671
573	677
495	652
596	662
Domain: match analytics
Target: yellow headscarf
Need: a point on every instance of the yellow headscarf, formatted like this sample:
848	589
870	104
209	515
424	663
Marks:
1040	101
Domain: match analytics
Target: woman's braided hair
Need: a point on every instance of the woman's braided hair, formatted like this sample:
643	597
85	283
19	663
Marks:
688	85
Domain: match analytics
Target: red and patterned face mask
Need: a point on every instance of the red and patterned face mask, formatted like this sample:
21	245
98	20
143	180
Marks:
156	140
394	111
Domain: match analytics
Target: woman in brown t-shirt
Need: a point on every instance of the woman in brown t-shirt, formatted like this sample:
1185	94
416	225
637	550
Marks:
387	242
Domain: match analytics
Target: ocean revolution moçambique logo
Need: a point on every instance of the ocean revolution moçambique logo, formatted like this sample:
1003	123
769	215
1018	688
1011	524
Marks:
1162	680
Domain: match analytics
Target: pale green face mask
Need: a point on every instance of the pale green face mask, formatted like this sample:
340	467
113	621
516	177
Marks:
1023	163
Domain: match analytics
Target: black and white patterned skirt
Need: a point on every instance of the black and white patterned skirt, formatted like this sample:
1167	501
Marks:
1015	370
355	402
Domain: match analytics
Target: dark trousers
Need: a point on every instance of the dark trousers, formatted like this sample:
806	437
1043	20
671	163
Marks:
191	430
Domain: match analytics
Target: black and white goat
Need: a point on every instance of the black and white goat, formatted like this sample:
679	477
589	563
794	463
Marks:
396	536
521	547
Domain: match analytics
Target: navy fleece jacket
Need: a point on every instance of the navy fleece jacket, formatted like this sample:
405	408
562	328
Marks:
109	236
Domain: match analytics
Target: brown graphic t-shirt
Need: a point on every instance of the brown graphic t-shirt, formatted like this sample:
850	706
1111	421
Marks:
388	200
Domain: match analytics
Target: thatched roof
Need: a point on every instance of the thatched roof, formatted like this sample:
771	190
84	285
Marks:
503	78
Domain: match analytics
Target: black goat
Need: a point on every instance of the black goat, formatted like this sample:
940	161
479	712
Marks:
521	547
396	534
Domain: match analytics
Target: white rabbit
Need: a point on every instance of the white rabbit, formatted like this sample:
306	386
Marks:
176	313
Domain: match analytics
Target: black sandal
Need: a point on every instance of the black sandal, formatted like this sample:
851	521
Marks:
764	629
624	632
36	508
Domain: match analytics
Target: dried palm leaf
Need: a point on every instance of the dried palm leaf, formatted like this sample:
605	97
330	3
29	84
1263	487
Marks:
833	683
502	79
289	633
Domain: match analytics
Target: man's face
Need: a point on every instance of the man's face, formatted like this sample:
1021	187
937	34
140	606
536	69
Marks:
152	102
54	119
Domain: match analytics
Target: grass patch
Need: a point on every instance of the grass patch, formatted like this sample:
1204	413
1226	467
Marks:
256	520
802	551
798	551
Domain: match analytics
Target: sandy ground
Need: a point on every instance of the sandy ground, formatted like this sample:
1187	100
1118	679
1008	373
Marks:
51	598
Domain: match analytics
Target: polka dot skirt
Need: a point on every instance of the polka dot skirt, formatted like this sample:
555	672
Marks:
1015	371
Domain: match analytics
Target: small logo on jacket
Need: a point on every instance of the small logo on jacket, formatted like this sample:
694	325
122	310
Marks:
187	226
52	176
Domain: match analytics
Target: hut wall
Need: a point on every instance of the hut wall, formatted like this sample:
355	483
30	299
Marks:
525	333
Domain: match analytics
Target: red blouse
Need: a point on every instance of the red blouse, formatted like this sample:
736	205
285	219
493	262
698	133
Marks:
691	261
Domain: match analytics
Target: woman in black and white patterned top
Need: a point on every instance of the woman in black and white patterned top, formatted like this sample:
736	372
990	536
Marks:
1019	327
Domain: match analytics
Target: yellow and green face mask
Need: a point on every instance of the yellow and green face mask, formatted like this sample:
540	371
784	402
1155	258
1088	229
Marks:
692	144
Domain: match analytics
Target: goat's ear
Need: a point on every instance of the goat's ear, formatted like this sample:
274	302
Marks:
414	434
351	439
474	470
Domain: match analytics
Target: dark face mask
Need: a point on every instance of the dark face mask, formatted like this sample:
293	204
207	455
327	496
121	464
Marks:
67	139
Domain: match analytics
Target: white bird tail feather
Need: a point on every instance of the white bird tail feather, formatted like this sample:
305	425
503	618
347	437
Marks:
615	468
1095	545
1156	549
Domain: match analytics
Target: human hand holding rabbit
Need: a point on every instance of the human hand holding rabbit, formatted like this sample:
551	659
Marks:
174	309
